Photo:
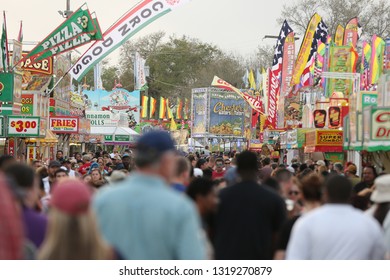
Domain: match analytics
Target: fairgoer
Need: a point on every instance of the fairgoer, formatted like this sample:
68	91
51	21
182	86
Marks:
142	216
336	230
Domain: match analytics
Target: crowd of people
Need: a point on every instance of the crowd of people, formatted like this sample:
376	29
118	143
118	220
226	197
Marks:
154	202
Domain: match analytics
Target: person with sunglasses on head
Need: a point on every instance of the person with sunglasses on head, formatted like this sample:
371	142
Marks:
219	171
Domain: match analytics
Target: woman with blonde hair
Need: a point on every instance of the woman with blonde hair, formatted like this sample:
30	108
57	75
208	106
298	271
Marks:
72	231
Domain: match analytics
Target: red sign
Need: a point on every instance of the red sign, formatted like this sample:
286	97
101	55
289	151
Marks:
319	118
334	117
11	147
66	125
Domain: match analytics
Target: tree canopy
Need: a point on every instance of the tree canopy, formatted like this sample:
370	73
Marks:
374	15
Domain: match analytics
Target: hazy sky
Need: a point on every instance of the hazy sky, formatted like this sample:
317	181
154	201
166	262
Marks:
233	25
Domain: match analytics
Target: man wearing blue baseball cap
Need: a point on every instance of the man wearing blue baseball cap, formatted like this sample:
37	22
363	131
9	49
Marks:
142	216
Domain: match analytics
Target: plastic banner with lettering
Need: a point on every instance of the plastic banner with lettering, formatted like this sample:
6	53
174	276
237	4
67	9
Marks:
133	21
80	22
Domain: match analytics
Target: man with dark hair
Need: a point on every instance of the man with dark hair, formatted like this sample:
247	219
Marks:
266	170
25	184
128	162
61	174
338	168
219	171
5	160
203	193
182	174
336	230
249	216
208	169
51	170
285	180
369	176
142	216
60	156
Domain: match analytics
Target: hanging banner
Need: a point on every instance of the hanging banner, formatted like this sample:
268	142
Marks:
319	118
78	23
305	49
254	102
140	79
17	55
133	21
351	32
75	42
287	72
339	35
23	126
199	113
340	60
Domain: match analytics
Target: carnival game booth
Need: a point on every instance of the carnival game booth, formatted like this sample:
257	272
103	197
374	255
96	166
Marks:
110	137
329	142
218	119
375	127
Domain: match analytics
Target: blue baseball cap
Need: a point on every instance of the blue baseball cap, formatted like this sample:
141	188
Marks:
157	141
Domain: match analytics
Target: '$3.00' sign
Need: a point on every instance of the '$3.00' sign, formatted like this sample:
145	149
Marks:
23	126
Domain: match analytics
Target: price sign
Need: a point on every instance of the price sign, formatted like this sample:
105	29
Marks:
23	126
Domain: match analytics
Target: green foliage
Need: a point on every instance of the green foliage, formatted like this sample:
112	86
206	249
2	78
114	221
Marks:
178	64
374	15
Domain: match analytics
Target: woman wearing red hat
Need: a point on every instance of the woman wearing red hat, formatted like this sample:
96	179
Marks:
72	232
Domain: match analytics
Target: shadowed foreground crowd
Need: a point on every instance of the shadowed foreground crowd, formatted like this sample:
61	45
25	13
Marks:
158	204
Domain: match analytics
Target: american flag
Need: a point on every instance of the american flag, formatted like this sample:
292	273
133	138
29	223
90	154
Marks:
278	54
276	74
320	35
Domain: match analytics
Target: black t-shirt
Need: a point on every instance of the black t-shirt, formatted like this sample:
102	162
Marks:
360	186
208	173
285	233
248	217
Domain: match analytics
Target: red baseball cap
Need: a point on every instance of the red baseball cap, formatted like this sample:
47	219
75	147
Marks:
71	196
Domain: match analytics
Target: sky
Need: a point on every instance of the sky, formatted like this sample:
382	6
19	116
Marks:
236	26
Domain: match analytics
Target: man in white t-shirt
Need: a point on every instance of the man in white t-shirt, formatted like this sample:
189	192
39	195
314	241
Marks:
336	230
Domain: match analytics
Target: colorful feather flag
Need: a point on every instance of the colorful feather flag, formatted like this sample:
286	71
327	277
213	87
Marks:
320	35
377	54
179	109
339	35
306	49
186	108
169	111
144	105
163	107
153	102
351	34
173	125
252	82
